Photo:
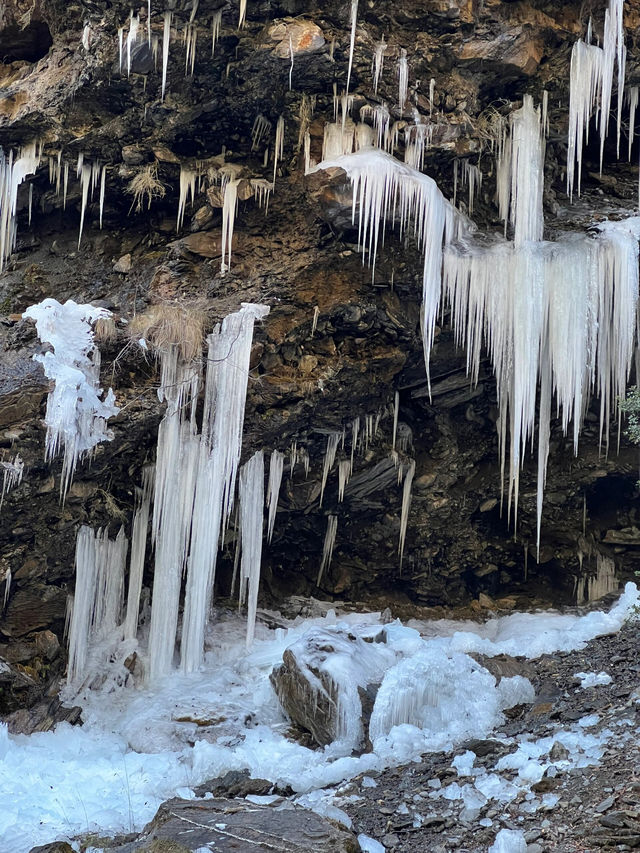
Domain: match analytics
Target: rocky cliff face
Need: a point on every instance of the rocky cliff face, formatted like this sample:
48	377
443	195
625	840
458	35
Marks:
340	340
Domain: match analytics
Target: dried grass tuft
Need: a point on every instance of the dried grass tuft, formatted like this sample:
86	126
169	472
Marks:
145	185
105	331
164	326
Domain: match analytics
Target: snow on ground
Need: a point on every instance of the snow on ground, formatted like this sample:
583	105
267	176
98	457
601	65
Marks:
139	746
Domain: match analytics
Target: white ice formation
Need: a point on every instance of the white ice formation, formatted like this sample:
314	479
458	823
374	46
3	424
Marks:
138	551
251	494
276	467
13	171
591	84
328	546
195	485
77	413
97	602
12	471
559	314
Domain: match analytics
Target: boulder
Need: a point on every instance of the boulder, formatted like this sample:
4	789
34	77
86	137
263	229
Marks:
238	826
328	680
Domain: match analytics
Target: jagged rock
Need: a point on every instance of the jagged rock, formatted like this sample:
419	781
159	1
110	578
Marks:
237	826
504	666
235	783
515	50
42	717
309	695
123	264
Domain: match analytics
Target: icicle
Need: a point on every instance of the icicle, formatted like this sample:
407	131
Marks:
7	589
76	416
521	174
633	106
261	127
216	23
329	544
381	187
228	221
396	409
65	186
12	174
355	429
219	455
175	482
102	189
291	65
262	190
354	21
378	63
591	82
303	456
84	598
344	471
293	458
329	458
278	150
403	79
97	602
243	14
85	181
166	38
132	36
545	112
138	549
307	153
406	505
432	95
251	503
187	188
276	467
120	46
191	42
11	475
314	321
338	139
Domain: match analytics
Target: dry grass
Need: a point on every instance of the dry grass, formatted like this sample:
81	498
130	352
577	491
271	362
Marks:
145	185
167	325
105	331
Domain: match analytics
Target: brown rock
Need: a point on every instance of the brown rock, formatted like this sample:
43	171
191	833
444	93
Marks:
299	35
515	50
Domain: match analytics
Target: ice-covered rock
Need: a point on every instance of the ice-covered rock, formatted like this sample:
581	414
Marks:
328	679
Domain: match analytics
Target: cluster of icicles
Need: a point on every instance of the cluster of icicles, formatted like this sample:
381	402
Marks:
14	169
559	315
191	489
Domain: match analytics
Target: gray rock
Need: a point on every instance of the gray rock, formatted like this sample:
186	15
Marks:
238	827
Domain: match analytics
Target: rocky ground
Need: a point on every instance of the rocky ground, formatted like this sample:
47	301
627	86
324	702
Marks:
567	808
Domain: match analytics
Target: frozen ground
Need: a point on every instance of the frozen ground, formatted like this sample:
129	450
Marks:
139	746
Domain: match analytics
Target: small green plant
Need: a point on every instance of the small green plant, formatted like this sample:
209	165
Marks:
631	407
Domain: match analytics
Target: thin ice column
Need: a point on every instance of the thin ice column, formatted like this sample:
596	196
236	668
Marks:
138	550
276	467
251	504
